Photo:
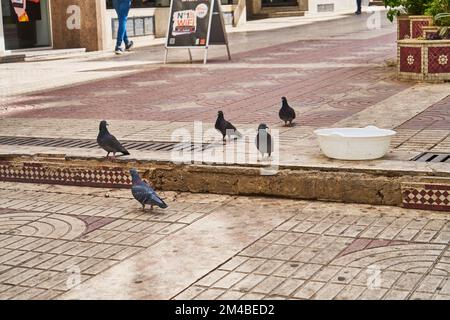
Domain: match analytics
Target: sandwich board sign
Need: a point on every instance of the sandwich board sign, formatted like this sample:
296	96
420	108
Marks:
196	24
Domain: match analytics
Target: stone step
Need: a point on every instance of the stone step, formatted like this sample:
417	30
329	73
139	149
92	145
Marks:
42	55
376	3
418	190
279	9
279	14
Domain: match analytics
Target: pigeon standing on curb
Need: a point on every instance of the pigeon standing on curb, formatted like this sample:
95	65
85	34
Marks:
225	127
264	141
287	114
143	193
108	142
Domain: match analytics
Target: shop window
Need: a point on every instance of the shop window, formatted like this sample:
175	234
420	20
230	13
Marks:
136	26
155	3
142	3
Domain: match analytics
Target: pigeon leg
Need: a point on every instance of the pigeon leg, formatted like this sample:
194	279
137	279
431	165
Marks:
224	139
151	207
290	123
143	207
114	156
285	123
107	156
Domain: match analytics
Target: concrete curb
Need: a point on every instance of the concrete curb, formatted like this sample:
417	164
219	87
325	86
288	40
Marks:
372	187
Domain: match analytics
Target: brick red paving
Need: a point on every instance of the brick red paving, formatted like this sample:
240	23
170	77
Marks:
437	117
315	75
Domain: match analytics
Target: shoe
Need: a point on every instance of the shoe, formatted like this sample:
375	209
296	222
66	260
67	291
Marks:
358	13
129	46
118	51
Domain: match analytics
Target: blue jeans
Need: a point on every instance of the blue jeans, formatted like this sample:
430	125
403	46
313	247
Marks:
358	4
122	8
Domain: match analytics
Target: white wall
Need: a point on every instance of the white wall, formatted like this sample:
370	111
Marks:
2	38
339	5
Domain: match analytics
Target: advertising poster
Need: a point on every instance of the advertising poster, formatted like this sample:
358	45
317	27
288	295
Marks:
188	26
27	10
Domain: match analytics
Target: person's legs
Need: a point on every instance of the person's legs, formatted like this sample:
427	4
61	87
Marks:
122	8
358	4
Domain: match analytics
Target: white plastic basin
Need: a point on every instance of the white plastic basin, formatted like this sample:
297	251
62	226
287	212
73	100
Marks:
367	143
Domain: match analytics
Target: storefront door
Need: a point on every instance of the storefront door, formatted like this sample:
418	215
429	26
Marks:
26	24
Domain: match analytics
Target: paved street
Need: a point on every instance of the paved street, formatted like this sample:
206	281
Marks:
99	244
67	242
337	76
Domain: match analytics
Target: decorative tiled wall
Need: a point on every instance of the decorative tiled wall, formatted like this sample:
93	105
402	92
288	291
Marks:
424	60
411	59
417	24
404	29
90	177
426	196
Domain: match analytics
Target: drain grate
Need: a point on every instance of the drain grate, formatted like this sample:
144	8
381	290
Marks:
433	157
92	144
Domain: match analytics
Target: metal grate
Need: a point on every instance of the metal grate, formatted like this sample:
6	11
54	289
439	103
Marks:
92	144
433	157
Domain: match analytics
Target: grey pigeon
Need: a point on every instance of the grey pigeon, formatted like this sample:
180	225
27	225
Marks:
264	141
287	114
108	142
143	193
225	127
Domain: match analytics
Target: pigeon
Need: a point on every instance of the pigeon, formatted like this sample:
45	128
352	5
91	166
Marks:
143	193
287	114
108	142
264	141
225	127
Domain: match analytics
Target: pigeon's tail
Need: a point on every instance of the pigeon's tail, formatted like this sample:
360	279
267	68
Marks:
125	153
161	203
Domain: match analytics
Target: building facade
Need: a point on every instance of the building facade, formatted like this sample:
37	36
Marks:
92	24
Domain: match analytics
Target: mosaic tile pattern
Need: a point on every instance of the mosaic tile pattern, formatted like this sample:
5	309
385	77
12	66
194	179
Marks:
36	173
416	27
426	197
411	59
439	60
51	236
329	252
404	29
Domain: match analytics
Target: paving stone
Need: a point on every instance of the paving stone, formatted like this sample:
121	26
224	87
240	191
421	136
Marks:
350	292
308	290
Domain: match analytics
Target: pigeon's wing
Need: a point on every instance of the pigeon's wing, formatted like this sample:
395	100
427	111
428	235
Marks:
146	195
111	144
229	127
156	200
264	142
293	113
269	144
140	193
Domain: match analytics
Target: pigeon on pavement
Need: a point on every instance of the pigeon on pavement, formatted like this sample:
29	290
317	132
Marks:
108	142
287	114
264	141
143	193
225	127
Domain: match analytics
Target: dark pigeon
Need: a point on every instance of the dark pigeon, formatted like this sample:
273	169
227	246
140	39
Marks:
225	127
108	142
264	141
287	114
143	193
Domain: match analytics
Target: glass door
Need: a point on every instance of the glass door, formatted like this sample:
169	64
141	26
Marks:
26	24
